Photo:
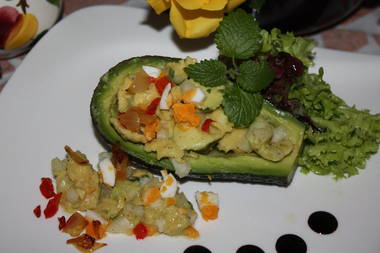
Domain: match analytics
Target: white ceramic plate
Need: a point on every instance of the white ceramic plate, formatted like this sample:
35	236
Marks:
46	105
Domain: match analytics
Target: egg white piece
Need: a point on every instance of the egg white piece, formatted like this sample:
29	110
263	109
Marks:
206	198
198	96
169	186
152	71
165	94
108	171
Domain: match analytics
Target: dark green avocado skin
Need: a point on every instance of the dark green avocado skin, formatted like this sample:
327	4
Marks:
229	167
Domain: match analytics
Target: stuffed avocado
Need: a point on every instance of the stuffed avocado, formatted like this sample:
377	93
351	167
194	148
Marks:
182	126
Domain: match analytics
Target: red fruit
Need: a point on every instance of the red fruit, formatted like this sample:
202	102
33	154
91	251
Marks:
8	20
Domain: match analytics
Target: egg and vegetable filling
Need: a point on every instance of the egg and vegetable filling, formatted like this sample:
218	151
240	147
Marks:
171	114
125	199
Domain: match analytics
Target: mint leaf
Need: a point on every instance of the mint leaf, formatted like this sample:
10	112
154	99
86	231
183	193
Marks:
238	36
254	76
209	73
240	107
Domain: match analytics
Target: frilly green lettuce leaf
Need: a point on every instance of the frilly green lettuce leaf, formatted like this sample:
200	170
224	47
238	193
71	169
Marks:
299	47
350	135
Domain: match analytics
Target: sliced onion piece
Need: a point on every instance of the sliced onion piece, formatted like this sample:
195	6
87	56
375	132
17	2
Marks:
186	86
72	195
182	169
120	225
279	133
164	97
94	216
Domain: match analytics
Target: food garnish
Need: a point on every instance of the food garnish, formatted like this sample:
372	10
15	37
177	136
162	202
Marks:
37	211
47	187
52	206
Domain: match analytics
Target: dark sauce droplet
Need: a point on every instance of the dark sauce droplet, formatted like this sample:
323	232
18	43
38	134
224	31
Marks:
290	243
197	249
322	222
249	249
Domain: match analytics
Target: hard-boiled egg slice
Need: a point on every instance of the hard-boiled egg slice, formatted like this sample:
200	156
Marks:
208	204
108	171
198	96
152	71
163	102
195	95
169	186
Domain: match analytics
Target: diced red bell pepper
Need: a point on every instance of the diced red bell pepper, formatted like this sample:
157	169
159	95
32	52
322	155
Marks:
37	211
161	83
153	106
206	125
47	188
52	206
140	231
62	222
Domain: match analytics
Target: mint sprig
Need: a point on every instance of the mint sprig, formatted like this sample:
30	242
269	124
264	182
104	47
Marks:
238	36
254	75
238	39
241	116
209	73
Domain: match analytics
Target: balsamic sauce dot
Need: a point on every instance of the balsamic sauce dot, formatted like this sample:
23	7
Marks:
290	243
249	249
197	249
322	222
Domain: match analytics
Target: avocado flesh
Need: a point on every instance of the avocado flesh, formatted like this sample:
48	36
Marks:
248	168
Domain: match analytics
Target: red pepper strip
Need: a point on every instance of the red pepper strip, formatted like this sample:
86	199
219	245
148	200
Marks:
152	79
161	83
37	211
62	222
52	206
206	125
47	188
140	231
153	106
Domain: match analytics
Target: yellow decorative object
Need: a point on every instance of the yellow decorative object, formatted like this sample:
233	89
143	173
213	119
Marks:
24	31
232	4
195	18
209	5
159	6
194	24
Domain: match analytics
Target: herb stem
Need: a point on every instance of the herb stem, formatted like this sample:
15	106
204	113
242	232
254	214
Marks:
234	65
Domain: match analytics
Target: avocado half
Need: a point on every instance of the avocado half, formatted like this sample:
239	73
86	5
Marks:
248	168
